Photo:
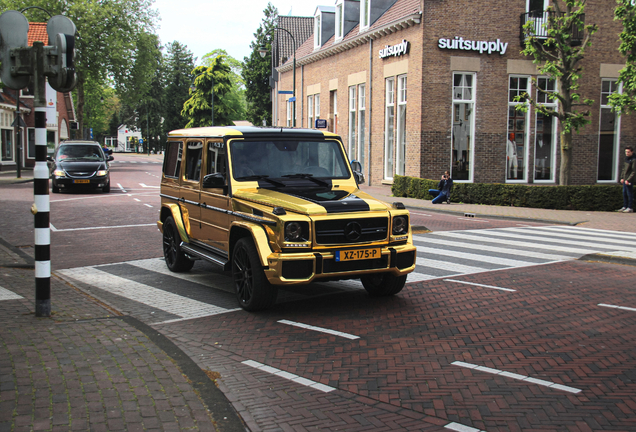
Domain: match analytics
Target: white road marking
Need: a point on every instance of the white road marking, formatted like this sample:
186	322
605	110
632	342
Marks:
421	214
473	219
5	294
174	304
461	428
319	329
517	377
475	257
480	285
449	266
137	199
559	234
143	185
617	307
290	376
102	227
121	187
148	205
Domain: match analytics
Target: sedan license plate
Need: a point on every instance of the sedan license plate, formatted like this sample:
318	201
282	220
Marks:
357	254
81	181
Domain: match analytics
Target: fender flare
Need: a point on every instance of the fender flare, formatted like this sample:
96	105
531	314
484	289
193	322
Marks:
259	236
175	212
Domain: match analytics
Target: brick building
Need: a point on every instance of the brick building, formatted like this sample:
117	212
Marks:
416	87
59	115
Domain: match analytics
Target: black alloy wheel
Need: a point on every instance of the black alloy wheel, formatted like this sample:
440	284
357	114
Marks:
176	260
253	290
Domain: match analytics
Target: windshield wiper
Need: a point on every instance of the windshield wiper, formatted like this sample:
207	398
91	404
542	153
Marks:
308	177
262	177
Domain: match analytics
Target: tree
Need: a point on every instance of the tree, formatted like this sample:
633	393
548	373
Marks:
625	102
235	99
107	36
257	71
213	81
559	57
179	65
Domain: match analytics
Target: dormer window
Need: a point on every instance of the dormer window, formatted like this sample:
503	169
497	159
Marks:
339	20
317	30
365	14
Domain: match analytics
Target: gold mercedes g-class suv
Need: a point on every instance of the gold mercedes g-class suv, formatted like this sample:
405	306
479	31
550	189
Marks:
278	206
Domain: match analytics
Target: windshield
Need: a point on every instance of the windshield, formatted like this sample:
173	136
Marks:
77	152
293	159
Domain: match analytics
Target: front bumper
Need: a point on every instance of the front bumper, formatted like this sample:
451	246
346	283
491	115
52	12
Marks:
303	268
69	182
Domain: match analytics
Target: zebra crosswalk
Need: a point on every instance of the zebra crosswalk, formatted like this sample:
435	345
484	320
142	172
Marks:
176	296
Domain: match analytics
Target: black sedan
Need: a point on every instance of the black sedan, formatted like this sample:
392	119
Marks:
80	164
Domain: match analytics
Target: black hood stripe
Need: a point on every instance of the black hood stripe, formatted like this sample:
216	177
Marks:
350	203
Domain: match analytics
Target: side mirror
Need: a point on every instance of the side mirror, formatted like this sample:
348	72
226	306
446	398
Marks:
356	167
49	158
216	180
110	158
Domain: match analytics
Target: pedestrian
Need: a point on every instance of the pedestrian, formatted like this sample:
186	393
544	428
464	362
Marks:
442	193
628	174
511	154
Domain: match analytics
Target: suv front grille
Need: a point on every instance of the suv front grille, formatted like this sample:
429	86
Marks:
348	231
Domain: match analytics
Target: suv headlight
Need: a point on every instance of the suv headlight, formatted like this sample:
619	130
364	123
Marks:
400	225
102	173
59	173
296	231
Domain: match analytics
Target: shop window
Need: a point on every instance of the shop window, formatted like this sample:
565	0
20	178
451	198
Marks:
516	148
400	161
352	123
6	136
389	128
608	140
463	113
545	142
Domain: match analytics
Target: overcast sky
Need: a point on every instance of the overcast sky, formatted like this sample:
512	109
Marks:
205	25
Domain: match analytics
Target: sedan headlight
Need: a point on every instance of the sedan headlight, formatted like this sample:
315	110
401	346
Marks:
102	173
400	225
59	173
296	231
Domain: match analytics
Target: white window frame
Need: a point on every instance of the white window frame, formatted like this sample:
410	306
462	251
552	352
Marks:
617	131
365	18
317	29
317	106
351	142
389	138
472	102
339	20
554	105
526	132
310	111
362	123
400	147
289	109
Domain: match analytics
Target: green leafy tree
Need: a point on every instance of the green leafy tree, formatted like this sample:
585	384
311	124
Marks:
626	101
235	99
559	57
179	65
106	43
213	81
257	71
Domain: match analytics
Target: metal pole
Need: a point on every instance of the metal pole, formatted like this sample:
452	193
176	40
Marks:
18	143
212	101
41	206
294	103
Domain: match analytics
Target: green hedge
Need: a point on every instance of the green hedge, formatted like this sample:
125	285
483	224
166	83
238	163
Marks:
586	198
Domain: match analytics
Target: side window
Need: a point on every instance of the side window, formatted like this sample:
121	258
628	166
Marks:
217	162
193	161
172	160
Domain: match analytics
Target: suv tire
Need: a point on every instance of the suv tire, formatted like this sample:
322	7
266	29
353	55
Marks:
106	189
253	290
383	284
176	260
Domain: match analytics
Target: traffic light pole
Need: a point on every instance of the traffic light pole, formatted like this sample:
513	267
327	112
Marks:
41	208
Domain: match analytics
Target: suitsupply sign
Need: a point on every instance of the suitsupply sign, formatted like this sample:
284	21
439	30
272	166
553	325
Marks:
459	43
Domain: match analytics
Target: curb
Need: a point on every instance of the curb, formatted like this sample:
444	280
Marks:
610	259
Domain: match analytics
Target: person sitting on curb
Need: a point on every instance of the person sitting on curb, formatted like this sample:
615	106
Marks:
442	193
628	173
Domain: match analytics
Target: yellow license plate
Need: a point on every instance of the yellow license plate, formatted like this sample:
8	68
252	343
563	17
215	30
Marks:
81	181
357	254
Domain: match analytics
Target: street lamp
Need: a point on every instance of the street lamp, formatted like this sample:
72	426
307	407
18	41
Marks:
193	88
263	52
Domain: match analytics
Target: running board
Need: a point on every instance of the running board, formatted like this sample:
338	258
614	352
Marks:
197	252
